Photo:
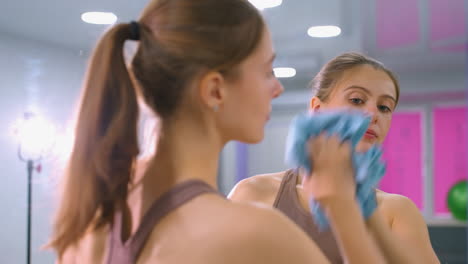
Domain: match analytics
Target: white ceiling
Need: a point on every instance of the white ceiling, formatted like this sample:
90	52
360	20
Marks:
58	22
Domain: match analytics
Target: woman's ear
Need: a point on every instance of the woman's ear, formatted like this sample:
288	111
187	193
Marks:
315	104
212	90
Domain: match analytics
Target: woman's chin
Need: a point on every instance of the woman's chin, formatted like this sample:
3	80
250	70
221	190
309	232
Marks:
253	138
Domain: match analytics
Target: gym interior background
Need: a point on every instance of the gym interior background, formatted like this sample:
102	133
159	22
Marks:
44	47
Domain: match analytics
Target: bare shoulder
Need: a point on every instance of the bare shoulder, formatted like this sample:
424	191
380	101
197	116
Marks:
394	202
398	208
260	235
258	188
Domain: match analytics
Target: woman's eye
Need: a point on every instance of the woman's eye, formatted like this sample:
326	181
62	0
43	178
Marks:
385	109
356	101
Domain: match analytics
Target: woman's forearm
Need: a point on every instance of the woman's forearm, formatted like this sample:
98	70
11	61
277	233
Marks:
355	242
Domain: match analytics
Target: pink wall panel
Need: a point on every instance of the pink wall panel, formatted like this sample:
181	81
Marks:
397	23
450	152
447	19
402	153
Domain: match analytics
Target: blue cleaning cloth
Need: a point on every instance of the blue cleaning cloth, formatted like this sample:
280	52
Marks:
349	126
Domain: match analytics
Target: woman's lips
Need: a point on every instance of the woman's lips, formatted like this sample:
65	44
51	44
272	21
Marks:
370	134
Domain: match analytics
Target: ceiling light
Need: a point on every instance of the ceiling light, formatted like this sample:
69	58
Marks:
262	4
324	31
284	72
99	18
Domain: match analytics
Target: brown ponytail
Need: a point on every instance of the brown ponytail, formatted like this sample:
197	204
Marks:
106	144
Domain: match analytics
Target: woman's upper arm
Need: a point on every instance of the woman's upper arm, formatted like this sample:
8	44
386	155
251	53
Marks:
409	225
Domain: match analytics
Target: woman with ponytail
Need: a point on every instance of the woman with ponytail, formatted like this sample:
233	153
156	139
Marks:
204	68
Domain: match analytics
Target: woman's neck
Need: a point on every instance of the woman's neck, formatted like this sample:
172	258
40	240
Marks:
184	152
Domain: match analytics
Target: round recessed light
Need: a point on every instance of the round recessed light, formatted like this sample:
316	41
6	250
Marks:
324	31
262	4
99	18
284	72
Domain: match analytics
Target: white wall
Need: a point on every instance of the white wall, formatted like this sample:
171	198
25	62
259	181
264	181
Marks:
33	76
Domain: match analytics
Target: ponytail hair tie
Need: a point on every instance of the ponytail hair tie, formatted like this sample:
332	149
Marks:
134	31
